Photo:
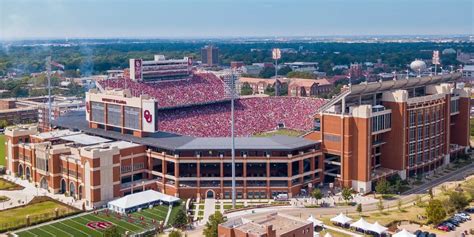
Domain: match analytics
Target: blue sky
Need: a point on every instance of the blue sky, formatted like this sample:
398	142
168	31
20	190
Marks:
231	18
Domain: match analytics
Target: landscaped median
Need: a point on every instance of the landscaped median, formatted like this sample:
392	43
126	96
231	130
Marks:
9	186
40	209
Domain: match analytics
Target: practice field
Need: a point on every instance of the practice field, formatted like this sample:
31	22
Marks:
94	224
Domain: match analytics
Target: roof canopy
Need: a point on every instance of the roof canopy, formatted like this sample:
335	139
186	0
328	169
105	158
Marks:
315	221
341	219
378	228
362	224
404	233
142	198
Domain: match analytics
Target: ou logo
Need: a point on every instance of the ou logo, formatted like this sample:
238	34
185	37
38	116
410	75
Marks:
148	116
99	225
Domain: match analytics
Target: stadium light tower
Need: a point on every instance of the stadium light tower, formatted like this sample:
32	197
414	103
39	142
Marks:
276	54
232	92
48	74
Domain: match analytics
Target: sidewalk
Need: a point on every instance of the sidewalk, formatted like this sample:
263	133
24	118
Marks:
21	197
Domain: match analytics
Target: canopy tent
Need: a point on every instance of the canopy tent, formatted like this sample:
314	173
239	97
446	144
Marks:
341	219
361	224
404	233
315	221
328	235
143	199
378	228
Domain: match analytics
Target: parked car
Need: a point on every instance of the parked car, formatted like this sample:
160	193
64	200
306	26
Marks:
470	210
424	234
449	224
443	227
418	233
463	215
432	235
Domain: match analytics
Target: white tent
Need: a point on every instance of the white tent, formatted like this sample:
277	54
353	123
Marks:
140	200
378	228
315	221
361	224
404	233
341	219
328	235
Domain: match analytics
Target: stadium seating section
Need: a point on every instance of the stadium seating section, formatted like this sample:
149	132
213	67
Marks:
200	88
252	115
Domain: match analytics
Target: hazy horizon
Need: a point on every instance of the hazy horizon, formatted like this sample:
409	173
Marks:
220	19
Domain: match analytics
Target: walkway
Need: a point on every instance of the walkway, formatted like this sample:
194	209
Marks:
20	197
209	209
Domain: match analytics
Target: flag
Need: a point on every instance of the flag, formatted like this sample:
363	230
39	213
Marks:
56	64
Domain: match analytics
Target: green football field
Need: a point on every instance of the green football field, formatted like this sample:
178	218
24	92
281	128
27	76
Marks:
78	226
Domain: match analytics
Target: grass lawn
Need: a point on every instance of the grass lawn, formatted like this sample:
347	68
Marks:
7	185
4	198
2	150
285	132
333	233
40	209
78	226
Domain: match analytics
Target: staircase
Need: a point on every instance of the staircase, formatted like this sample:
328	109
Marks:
333	101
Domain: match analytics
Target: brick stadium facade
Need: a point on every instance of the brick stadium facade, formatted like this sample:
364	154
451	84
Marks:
407	127
101	156
366	133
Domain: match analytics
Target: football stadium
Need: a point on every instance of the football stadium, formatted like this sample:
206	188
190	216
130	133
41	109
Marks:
170	132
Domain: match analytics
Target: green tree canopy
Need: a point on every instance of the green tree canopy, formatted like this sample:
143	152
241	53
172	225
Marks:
346	194
246	89
180	220
382	187
212	224
435	211
175	233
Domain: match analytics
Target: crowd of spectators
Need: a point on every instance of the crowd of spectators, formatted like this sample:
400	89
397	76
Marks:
252	115
201	88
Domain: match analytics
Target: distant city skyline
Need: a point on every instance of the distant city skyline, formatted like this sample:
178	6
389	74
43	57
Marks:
29	19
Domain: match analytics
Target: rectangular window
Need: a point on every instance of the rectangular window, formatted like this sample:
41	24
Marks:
412	118
114	115
132	117
97	114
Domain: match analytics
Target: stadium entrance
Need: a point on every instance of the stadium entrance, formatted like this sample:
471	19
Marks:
210	194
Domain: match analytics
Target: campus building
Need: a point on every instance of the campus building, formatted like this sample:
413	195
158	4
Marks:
407	127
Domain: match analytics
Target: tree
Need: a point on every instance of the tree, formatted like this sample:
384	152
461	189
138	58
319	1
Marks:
296	74
284	70
270	90
399	204
180	220
3	123
382	187
430	192
346	194
212	224
435	211
267	72
246	89
112	232
457	201
317	194
380	205
359	208
175	233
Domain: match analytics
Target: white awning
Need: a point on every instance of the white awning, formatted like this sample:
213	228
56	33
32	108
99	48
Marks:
378	228
328	235
404	233
142	198
341	219
361	224
315	221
